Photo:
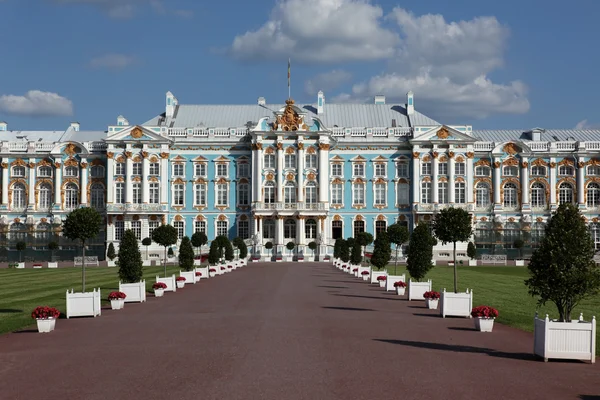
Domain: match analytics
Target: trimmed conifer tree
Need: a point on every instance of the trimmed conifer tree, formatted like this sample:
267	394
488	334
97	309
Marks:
344	251
213	253
229	255
471	251
382	251
186	254
356	254
130	259
110	252
337	247
420	252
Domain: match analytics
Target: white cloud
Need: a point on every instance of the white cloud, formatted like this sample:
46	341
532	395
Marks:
128	8
327	81
36	103
446	64
584	124
112	61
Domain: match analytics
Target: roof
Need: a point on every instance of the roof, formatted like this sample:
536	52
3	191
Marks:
342	115
53	136
549	135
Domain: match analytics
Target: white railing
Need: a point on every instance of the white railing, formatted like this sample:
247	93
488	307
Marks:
567	146
539	146
97	146
591	145
201	132
483	146
260	206
221	132
177	132
136	207
380	132
375	132
402	131
44	146
466	207
17	146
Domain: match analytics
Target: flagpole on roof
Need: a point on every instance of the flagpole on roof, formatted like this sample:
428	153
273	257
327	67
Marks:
289	78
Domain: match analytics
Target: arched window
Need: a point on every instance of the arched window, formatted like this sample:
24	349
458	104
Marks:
426	192
403	194
311	193
593	170
565	170
270	192
311	161
443	192
290	161
244	194
510	195
268	228
289	229
45	172
538	195
593	195
289	193
538	170
42	233
45	196
18	231
18	171
19	197
460	193
270	161
120	193
511	233
97	171
359	227
484	234
71	171
379	190
71	196
537	233
565	193
482	171
482	195
511	171
310	229
380	226
97	196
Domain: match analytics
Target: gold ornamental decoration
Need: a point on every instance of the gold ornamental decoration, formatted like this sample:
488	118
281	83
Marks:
279	146
451	154
311	176
110	154
4	165
337	217
137	133
84	165
128	154
580	164
289	150
524	164
289	120
164	155
31	165
415	154
443	133
497	164
18	162
290	177
566	161
300	146
137	158
144	154
136	217
17	220
435	154
324	146
199	217
178	218
71	162
270	176
539	162
222	218
460	159
256	146
510	148
470	154
482	162
552	164
513	162
380	217
71	149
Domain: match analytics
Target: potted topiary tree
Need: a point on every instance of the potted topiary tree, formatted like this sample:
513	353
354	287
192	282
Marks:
111	254
336	250
382	252
472	253
355	256
398	235
20	246
165	236
313	247
290	246
365	239
199	239
562	271
131	269
418	262
519	244
186	261
146	242
52	246
345	251
269	246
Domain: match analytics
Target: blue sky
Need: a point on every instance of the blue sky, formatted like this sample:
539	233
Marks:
521	65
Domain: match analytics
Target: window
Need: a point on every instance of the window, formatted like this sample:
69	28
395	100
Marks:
178	195
593	195
510	195
379	190
537	233
137	193
289	193
595	233
482	195
243	229
565	193
426	192
510	233
538	170
359	227
311	193
200	195
402	193
482	171
358	193
97	171
200	226
336	170
136	227
380	226
222	228
402	170
459	193
426	168
270	197
97	196
484	234
443	168
337	194
200	169
152	225
71	196
154	168
459	168
120	193
310	229
71	171
137	168
311	161
289	229
154	193
243	170
443	192
359	169
538	195
119	168
119	229
268	229
593	170
511	171
178	170
337	229
222	170
270	161
222	195
244	194
45	172
43	230
179	225
380	170
290	161
45	196
18	231
565	170
18	171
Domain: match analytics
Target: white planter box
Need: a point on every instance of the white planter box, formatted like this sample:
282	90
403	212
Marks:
520	263
472	263
52	265
111	263
37	266
432	304
289	258
212	274
391	279
361	269
203	271
484	324
159	292
46	325
169	281
375	274
136	292
417	289
574	340
21	265
310	258
190	277
300	259
456	304
180	284
83	304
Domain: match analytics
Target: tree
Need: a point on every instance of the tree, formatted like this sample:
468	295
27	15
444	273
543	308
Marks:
220	245
453	225
241	245
52	246
365	239
82	224
110	252
170	253
186	254
269	245
356	254
213	253
420	252
20	248
165	236
146	242
398	235
519	244
345	250
199	239
562	269
471	251
290	246
130	259
336	247
229	255
382	251
313	246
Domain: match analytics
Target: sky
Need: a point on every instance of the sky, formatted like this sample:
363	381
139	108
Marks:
518	65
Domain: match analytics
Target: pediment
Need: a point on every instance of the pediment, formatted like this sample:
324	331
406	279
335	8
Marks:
336	158
443	133
200	159
137	133
511	148
380	158
178	158
359	158
222	158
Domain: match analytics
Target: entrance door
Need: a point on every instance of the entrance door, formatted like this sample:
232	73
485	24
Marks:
337	230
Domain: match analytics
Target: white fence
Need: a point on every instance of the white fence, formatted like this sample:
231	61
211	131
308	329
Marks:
89	260
493	259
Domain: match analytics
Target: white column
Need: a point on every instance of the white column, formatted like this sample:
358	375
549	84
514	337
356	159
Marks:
145	183
279	227
436	194
323	172
580	182
300	230
552	182
57	184
128	181
110	182
257	160
5	183
255	227
524	184
451	163
497	182
301	172
84	181
415	178
469	184
31	197
164	178
280	173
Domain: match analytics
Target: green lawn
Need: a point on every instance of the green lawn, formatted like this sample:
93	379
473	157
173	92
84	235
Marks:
24	289
503	288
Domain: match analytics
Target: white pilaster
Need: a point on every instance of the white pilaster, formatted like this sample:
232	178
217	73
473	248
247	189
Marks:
552	182
57	184
323	172
469	184
164	179
451	197
497	182
110	179
279	234
31	197
580	182
84	182
300	173
257	160
128	181
280	174
300	231
524	183
436	194
5	168
415	178
145	183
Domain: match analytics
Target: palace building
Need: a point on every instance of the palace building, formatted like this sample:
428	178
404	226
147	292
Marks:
293	172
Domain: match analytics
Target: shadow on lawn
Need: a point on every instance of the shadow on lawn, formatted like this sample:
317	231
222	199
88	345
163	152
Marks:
10	311
461	349
348	308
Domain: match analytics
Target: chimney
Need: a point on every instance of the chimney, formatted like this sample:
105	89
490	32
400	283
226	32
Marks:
122	121
379	99
320	102
410	103
171	103
536	134
3	126
75	126
262	101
